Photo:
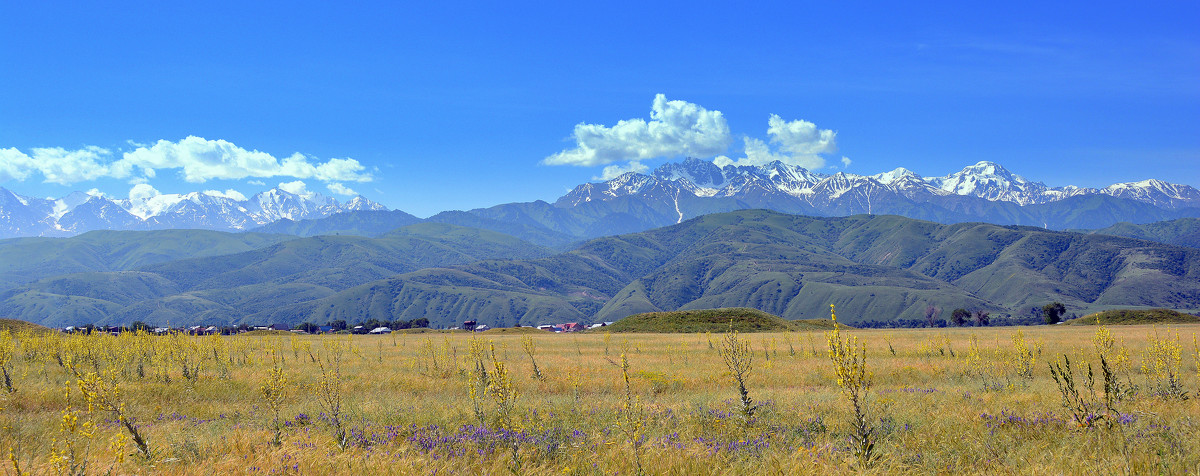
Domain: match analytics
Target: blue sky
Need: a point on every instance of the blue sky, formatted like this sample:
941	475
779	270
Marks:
463	105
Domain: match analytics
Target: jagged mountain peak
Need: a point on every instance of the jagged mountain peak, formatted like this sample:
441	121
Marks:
983	171
360	202
987	167
991	181
898	174
700	173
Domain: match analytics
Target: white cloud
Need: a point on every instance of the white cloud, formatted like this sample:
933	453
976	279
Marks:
675	128
146	201
196	159
340	189
800	137
260	183
613	171
845	162
142	192
95	192
297	187
200	160
15	165
796	142
230	194
62	166
758	152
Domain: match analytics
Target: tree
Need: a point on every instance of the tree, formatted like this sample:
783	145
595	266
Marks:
931	314
1053	312
982	317
959	316
309	327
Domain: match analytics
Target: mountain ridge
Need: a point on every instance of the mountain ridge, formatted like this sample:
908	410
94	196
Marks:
878	268
985	179
632	202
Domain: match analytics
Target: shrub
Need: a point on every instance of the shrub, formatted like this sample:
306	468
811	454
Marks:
850	366
738	359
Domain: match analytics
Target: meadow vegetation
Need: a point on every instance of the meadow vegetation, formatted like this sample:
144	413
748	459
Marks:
1044	399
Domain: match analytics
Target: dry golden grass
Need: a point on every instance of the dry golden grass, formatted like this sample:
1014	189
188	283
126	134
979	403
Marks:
939	404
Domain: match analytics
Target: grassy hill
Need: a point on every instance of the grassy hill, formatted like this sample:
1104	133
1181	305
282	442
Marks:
14	326
708	320
1136	316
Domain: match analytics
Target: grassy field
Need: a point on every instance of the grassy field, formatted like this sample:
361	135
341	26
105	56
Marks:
963	400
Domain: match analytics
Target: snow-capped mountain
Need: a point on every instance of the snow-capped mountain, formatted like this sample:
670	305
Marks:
359	203
985	180
98	213
22	216
274	204
80	212
1157	192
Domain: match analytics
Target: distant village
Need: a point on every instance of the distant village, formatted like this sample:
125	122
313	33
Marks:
371	326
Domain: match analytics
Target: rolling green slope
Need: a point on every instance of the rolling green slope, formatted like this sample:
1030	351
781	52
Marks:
356	223
1180	232
24	260
231	287
874	268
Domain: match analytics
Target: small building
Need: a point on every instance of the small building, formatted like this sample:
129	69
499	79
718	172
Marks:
380	330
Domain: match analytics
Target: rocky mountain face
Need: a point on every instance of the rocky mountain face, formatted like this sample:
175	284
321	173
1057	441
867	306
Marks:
79	212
